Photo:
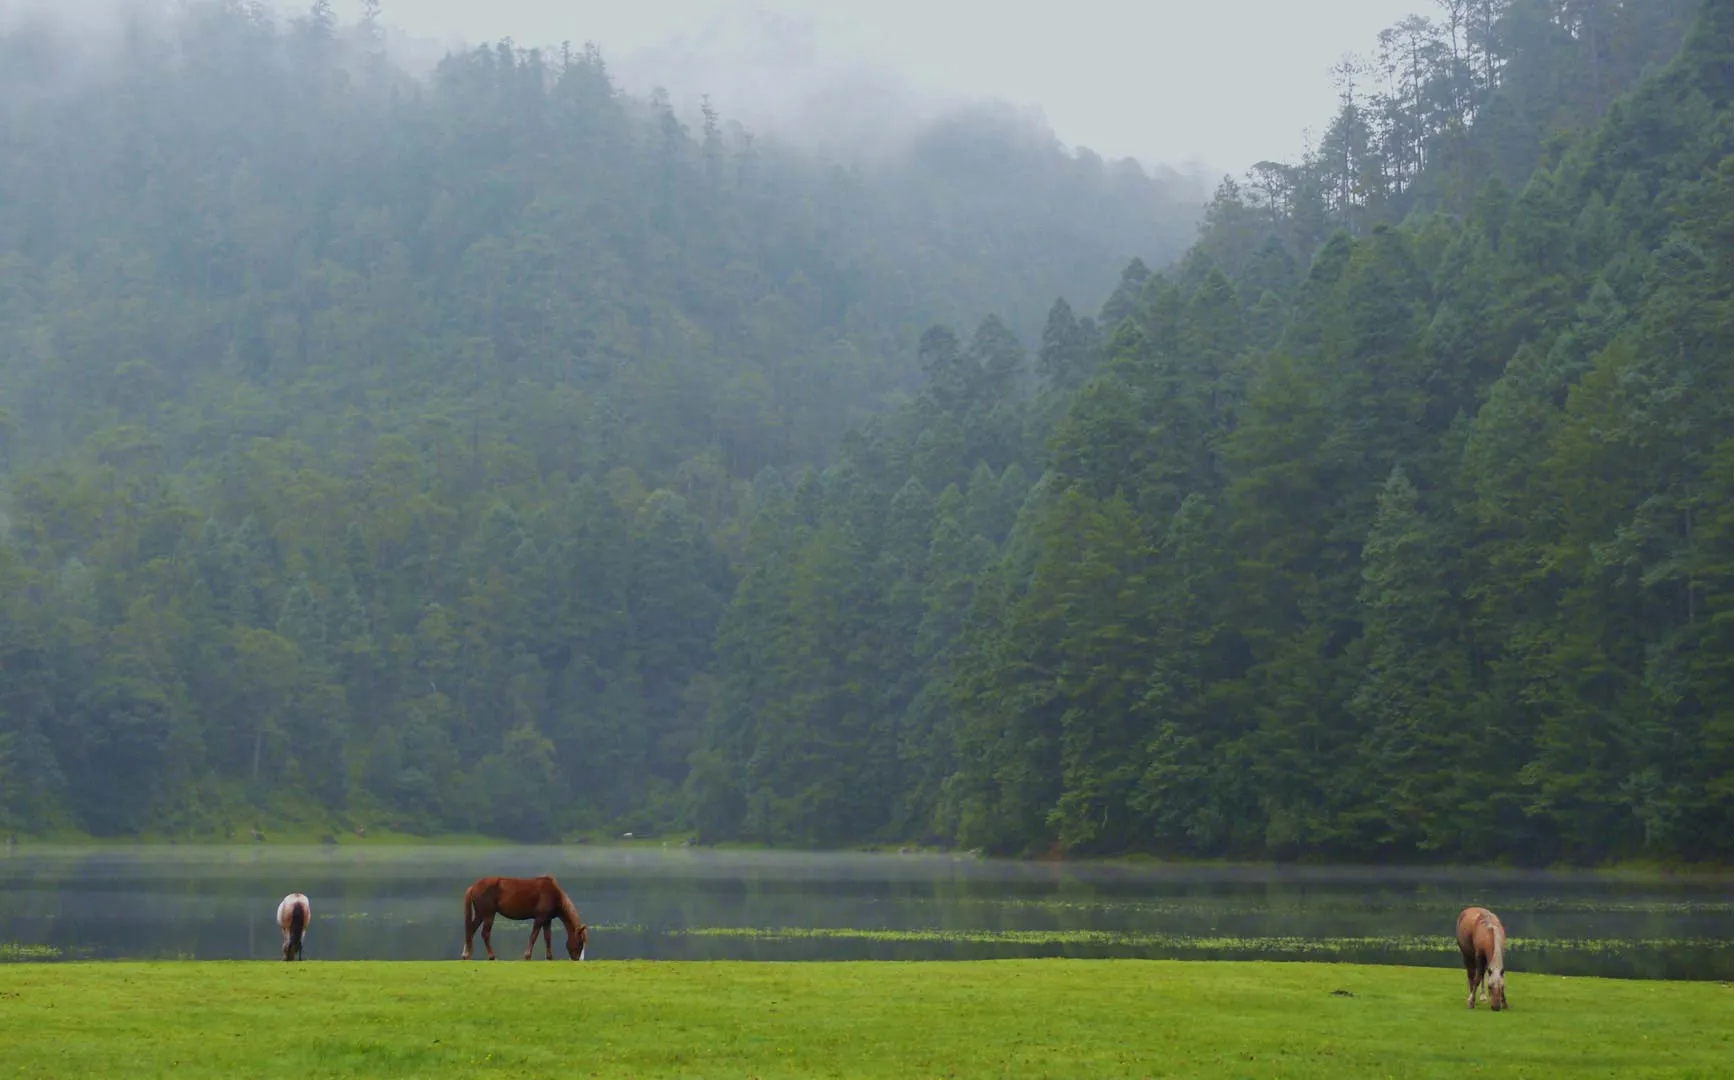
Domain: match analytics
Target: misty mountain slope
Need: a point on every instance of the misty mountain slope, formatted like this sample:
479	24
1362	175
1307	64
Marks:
477	478
378	443
1418	550
281	189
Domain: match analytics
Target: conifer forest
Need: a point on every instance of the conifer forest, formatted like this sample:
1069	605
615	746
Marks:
492	450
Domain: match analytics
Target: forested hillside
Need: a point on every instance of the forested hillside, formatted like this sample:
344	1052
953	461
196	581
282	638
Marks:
378	452
1392	522
378	448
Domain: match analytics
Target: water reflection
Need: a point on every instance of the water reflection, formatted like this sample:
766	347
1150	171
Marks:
405	903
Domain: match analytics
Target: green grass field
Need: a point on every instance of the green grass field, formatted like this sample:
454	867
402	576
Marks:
1022	1018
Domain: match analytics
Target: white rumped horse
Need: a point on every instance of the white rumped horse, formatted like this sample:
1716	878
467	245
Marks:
1481	939
293	915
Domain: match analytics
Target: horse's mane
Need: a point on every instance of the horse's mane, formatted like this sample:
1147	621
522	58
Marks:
568	910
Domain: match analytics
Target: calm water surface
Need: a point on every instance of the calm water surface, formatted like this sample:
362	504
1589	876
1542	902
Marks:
689	904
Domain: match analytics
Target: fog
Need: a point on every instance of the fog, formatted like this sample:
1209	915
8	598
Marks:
1165	81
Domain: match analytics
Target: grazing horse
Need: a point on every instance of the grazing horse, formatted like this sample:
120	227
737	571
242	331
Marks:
293	915
539	899
1481	939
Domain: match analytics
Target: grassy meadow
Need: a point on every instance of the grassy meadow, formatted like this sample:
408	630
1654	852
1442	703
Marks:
1022	1018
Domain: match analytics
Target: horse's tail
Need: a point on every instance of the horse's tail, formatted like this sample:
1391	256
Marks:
297	924
469	908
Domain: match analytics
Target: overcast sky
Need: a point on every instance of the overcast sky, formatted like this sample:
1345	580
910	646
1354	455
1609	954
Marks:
1224	84
1173	81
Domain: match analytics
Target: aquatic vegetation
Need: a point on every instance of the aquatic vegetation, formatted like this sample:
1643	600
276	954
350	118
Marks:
1212	906
12	950
1265	946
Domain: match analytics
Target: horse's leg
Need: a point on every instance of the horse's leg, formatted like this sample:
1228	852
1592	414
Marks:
544	927
1469	966
488	935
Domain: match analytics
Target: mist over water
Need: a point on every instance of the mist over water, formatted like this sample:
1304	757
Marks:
693	904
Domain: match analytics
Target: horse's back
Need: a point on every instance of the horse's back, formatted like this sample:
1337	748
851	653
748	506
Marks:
518	897
1472	923
483	885
286	909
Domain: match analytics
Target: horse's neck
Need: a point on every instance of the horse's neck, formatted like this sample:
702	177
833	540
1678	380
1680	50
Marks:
567	914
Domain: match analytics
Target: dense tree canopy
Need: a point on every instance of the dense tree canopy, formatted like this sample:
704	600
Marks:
378	451
376	445
1381	525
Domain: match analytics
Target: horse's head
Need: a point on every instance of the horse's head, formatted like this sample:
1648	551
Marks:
1496	990
577	934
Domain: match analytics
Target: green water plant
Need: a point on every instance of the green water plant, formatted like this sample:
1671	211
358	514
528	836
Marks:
1263	945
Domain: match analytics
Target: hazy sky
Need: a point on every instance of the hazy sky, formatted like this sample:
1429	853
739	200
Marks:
1163	80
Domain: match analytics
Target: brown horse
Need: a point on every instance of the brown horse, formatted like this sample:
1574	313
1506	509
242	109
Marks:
293	912
540	899
1481	939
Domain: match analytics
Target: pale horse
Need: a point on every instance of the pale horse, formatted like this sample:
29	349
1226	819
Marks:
293	915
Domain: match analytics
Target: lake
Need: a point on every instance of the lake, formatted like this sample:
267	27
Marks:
405	903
